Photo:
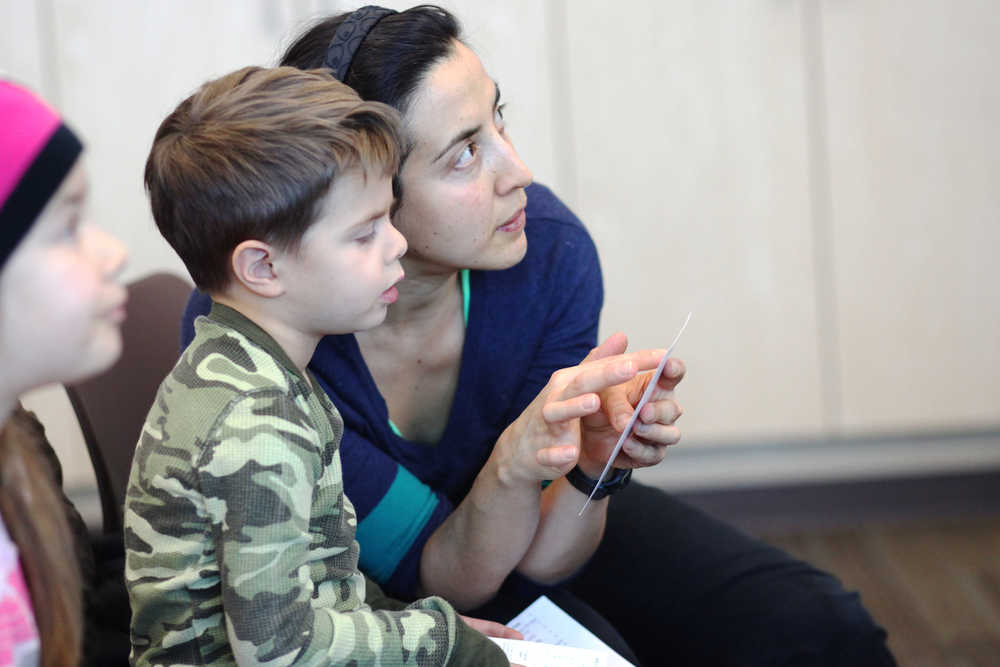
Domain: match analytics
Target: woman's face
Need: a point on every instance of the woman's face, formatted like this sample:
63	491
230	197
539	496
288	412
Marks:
463	182
60	306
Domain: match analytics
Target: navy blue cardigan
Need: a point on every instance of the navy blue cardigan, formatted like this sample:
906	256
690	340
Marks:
524	323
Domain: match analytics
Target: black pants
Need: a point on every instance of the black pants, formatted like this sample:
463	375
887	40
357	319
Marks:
683	588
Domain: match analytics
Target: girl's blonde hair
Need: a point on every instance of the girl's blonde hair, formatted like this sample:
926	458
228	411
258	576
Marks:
35	516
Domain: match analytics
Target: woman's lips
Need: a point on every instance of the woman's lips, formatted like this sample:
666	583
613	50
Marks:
515	224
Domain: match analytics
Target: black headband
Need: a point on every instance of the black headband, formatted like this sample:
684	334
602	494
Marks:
351	32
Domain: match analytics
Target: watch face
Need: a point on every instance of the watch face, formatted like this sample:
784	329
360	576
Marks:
615	483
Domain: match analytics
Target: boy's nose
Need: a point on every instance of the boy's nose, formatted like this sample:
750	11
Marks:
398	245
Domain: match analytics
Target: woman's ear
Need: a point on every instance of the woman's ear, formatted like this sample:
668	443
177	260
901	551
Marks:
253	268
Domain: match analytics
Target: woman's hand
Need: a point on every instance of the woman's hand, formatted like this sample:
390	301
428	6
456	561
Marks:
496	527
544	441
653	431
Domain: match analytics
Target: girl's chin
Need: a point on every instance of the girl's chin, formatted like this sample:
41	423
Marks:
103	353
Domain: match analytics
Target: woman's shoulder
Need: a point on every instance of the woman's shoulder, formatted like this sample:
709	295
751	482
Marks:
554	232
543	204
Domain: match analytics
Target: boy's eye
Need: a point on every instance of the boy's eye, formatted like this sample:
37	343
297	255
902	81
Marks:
498	115
367	235
467	155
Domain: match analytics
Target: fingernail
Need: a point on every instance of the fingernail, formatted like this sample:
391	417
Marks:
627	368
590	403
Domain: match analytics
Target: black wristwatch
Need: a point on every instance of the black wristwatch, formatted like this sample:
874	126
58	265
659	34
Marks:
614	483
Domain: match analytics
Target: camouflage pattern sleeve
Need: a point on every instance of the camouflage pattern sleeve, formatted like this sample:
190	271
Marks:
240	541
472	648
274	565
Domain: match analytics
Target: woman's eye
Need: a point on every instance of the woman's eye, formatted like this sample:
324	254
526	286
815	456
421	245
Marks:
498	115
467	155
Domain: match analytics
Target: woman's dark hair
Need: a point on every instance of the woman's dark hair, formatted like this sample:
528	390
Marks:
394	57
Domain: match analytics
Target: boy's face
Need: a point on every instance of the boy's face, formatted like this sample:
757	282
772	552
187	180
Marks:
343	277
62	304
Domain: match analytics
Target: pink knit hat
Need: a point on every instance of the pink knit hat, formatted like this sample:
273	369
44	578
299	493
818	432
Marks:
36	152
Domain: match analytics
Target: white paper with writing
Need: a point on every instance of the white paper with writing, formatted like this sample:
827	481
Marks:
543	621
536	654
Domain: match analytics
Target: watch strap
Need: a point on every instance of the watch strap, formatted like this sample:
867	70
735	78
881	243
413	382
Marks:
614	483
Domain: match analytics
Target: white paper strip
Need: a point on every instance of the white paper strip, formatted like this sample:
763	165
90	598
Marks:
635	414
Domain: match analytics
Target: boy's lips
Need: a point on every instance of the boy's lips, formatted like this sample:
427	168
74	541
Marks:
390	295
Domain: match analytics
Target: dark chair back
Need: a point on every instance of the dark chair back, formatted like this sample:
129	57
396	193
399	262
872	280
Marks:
112	407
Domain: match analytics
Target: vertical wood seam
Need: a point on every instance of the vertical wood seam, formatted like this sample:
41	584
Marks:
821	215
562	107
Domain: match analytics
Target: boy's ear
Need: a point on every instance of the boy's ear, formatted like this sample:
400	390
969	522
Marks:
253	267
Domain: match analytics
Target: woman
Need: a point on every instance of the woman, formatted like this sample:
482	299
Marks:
454	406
60	318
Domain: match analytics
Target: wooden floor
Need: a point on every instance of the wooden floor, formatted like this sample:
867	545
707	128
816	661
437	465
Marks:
934	585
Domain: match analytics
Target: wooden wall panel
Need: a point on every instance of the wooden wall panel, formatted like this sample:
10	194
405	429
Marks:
913	98
691	154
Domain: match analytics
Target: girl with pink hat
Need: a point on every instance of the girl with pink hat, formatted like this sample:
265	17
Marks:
60	312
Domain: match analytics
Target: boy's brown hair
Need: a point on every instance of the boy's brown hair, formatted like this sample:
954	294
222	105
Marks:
249	155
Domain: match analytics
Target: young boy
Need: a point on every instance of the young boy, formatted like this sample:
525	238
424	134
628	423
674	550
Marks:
274	187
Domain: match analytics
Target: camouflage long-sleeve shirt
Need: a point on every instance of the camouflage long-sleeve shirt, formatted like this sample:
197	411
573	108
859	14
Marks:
239	539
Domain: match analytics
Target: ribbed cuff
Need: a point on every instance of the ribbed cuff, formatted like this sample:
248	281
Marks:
474	649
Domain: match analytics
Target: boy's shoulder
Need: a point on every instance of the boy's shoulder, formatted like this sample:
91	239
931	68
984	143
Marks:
227	358
220	369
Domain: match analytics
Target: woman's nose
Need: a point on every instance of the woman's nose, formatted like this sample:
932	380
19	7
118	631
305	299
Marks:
512	173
